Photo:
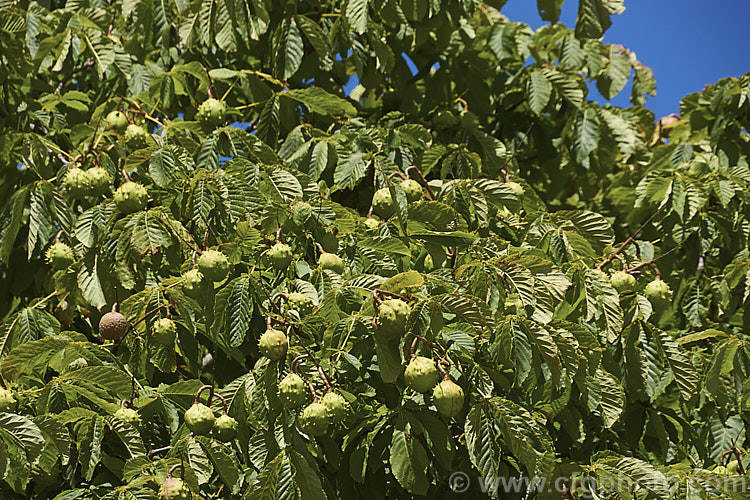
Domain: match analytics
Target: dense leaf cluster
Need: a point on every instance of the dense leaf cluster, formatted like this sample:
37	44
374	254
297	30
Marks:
463	265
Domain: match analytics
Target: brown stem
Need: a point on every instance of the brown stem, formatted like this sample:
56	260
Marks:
312	391
320	248
414	344
376	292
627	242
210	394
297	360
224	403
125	175
182	471
440	367
396	172
651	262
278	236
147	315
421	180
325	378
159	450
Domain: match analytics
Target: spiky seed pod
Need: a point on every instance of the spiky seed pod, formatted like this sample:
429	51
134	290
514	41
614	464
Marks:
448	398
212	112
292	391
131	197
273	344
193	283
412	190
213	264
314	419
77	183
336	405
199	419
301	303
100	180
383	204
225	428
59	256
164	332
392	317
129	416
331	261
280	255
136	136
421	374
116	120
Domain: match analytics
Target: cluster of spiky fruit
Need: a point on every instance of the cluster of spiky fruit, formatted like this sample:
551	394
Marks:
201	421
131	197
332	262
212	112
80	183
383	204
421	375
315	418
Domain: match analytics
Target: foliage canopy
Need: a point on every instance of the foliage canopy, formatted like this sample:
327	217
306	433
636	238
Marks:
242	275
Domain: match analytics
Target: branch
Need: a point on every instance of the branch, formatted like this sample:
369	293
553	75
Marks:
627	242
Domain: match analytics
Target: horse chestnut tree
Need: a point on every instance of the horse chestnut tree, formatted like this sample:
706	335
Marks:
218	257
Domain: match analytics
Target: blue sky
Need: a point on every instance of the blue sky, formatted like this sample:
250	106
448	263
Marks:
687	43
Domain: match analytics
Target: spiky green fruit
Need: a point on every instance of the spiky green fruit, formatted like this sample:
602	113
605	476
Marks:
131	197
174	488
292	391
518	189
136	136
116	120
193	283
448	398
212	112
199	419
336	405
392	317
658	291
301	303
129	416
331	261
383	204
100	180
421	374
412	190
59	256
77	364
280	255
213	264
7	400
77	183
273	344
314	419
164	332
622	281
225	428
113	326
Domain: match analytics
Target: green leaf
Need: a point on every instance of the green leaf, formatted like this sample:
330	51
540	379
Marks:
549	10
593	17
539	91
356	14
289	49
409	462
319	101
